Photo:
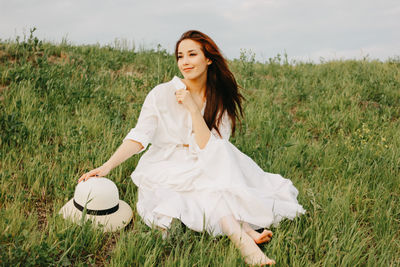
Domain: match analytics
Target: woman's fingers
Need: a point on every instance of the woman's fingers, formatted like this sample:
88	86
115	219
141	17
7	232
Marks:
88	175
83	178
80	180
178	96
181	95
100	171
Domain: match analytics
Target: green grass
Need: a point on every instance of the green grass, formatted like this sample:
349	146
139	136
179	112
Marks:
332	128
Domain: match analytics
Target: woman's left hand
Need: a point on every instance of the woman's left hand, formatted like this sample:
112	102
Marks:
184	97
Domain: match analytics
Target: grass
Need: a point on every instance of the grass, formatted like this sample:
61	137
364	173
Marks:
332	128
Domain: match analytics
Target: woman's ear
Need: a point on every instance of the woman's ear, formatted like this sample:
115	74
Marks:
209	61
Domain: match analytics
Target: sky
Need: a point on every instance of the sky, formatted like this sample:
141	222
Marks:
306	30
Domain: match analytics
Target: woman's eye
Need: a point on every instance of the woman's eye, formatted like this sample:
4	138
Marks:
192	54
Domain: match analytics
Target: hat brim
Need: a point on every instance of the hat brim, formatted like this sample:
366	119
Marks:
110	223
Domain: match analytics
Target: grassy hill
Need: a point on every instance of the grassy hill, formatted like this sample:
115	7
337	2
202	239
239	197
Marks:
332	128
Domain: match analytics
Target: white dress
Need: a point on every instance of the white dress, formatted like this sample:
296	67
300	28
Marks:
200	186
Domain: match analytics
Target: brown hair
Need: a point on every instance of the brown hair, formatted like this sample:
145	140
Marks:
222	91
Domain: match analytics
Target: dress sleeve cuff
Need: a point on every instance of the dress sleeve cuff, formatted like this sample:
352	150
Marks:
193	144
138	137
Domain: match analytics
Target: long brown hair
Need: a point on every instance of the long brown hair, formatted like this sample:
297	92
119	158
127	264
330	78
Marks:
222	92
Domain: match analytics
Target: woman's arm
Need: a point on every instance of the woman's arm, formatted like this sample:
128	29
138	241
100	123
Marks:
201	132
124	151
135	142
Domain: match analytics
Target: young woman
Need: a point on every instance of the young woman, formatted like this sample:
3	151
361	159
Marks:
191	171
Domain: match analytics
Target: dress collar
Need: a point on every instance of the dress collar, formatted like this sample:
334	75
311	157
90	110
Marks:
177	82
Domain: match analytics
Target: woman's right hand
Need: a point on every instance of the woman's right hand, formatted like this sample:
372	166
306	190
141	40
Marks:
98	172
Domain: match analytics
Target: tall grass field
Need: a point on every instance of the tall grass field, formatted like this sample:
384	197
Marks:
333	128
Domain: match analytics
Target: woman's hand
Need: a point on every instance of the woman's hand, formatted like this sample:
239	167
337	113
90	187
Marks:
99	172
184	97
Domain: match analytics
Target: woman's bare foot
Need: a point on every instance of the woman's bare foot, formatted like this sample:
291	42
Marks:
251	253
265	236
258	258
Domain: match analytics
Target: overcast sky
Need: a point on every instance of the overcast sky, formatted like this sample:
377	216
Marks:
306	29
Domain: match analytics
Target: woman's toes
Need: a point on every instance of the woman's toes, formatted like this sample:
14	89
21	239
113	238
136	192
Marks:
268	233
259	261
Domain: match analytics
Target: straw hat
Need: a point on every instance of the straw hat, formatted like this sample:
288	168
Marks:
103	206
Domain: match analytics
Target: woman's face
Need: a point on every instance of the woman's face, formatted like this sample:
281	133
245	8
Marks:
191	60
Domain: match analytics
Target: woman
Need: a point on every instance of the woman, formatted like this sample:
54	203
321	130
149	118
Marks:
191	171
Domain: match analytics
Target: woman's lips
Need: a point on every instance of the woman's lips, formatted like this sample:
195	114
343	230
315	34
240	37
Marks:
187	69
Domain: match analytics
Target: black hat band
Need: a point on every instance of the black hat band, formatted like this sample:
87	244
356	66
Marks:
97	212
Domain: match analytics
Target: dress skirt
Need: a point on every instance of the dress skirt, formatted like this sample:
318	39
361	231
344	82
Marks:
200	188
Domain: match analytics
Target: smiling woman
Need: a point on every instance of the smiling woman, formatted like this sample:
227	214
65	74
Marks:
205	64
191	171
192	61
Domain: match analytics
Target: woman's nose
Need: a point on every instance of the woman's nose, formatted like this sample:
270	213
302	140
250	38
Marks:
184	60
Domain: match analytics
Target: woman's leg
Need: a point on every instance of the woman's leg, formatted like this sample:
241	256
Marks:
265	236
249	249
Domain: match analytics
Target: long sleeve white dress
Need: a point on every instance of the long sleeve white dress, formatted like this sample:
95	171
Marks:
200	186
